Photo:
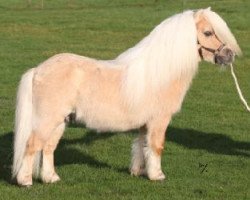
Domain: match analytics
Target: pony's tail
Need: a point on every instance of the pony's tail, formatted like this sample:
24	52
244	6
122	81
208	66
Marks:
23	120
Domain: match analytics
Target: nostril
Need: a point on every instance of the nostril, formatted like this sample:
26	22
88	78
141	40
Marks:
218	59
229	52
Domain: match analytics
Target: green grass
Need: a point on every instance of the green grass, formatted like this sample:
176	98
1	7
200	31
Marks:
213	128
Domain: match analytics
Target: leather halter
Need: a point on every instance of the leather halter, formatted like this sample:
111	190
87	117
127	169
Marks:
213	51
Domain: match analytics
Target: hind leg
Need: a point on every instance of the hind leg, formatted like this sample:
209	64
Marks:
137	166
34	145
48	173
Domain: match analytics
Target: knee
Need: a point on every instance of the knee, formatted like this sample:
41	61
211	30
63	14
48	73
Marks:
158	150
157	143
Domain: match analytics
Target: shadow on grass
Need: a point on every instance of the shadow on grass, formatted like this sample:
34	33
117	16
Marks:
6	155
66	154
211	142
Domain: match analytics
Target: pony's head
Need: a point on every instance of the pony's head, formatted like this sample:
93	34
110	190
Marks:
215	41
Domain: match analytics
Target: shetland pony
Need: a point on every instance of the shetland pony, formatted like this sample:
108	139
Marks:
141	88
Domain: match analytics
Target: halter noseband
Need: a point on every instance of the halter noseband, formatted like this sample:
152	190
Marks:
213	51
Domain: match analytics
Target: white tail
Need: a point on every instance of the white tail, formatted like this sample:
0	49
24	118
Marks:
23	120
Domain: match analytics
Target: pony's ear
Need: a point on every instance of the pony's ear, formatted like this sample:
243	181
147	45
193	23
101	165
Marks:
198	15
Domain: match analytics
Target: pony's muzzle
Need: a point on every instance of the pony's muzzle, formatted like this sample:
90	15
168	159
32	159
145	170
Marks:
224	57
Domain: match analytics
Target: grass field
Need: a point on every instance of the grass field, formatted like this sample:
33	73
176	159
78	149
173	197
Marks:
207	154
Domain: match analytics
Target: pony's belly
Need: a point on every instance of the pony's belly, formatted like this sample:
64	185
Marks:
112	120
103	125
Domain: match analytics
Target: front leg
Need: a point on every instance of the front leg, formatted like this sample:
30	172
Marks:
154	146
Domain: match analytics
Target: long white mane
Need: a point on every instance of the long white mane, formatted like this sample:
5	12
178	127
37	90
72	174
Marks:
168	53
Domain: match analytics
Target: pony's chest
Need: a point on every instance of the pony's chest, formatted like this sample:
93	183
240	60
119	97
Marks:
174	94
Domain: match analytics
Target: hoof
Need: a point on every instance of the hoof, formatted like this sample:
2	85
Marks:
51	179
138	172
24	181
160	176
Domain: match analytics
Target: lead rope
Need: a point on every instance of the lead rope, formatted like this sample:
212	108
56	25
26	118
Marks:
238	89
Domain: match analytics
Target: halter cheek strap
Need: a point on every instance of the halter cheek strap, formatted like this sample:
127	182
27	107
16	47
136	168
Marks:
213	51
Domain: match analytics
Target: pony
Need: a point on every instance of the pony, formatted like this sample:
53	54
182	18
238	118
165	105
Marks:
140	89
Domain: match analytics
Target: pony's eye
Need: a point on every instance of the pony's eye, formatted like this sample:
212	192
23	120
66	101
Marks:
208	33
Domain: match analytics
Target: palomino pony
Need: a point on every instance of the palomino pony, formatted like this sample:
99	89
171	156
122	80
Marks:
141	88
